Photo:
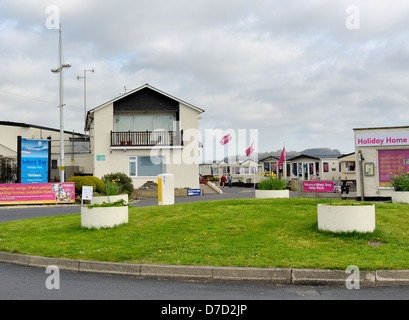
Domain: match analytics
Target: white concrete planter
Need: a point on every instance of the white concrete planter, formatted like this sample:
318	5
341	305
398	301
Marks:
99	200
272	193
344	218
400	196
103	217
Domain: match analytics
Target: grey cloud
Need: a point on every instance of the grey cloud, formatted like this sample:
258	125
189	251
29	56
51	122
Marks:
289	68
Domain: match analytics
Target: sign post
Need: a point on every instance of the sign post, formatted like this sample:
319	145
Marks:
86	194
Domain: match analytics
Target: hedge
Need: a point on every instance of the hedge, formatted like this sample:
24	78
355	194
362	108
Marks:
80	182
100	186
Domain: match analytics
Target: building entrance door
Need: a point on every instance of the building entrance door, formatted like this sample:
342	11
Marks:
308	170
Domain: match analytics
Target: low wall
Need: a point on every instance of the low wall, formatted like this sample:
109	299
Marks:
154	193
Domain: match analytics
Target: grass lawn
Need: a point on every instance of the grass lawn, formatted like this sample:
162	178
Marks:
278	233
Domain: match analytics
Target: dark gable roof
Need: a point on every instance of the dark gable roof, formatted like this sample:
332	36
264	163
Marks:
149	94
302	156
146	99
346	155
289	158
269	158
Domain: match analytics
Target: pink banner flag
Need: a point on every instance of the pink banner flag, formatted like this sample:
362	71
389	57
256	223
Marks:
250	150
282	157
226	139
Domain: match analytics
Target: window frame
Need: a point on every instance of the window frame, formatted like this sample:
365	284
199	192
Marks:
135	159
154	123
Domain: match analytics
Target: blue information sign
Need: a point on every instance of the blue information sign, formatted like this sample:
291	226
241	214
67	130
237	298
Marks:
193	192
34	161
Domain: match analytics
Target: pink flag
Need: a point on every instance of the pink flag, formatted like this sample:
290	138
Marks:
250	150
282	157
226	139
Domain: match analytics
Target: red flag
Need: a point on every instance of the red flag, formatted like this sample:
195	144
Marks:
250	150
282	157
226	139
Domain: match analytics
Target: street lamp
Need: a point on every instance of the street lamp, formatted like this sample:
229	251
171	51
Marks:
85	95
60	71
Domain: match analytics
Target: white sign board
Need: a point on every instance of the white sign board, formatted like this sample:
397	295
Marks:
382	139
87	193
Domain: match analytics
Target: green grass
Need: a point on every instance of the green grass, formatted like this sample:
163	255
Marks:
250	232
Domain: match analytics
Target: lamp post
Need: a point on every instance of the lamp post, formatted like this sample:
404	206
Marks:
60	71
85	94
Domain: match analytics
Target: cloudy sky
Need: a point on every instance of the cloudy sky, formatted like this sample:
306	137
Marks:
304	73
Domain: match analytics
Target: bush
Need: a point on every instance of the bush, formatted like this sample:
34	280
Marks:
113	188
119	203
273	184
123	179
80	182
401	182
99	184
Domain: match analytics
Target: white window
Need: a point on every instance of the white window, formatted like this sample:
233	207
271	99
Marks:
145	122
124	123
244	170
132	166
145	166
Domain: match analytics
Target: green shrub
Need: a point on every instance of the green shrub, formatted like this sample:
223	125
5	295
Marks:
99	184
113	188
273	184
401	182
119	203
123	179
80	182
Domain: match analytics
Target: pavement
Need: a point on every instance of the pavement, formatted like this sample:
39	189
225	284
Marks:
228	193
279	276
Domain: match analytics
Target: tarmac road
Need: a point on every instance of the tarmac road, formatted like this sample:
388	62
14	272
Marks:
28	283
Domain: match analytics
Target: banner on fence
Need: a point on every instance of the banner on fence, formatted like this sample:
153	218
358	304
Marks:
37	193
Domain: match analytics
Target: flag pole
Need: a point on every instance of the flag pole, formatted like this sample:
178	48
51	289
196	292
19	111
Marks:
254	172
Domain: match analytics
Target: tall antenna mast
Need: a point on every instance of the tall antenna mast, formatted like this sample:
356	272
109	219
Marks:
60	71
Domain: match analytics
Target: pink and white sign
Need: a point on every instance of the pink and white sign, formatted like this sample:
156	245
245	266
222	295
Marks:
382	139
318	186
32	193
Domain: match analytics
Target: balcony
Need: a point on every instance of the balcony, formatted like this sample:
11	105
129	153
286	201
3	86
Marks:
158	138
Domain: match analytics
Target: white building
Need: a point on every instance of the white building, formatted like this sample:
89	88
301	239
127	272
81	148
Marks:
143	133
381	153
246	171
347	167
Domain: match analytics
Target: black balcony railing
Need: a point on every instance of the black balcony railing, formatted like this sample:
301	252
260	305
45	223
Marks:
160	138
